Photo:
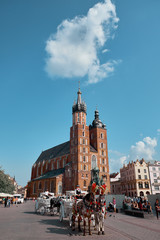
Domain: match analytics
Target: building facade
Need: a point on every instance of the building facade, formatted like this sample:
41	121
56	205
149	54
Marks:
115	183
135	179
154	172
69	164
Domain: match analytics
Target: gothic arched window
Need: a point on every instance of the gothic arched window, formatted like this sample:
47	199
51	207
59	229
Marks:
52	187
40	185
34	188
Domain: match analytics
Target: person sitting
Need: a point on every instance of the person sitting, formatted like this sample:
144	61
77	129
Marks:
114	204
145	207
135	206
78	193
46	192
140	206
110	207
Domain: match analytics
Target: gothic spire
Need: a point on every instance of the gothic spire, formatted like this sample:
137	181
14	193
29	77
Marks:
79	95
80	106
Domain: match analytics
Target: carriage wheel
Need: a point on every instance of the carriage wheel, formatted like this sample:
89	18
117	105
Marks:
70	220
60	214
35	210
56	210
42	210
51	210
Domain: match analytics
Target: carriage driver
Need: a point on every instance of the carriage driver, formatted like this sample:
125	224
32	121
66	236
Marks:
78	192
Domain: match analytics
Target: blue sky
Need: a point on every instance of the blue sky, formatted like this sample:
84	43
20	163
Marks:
46	47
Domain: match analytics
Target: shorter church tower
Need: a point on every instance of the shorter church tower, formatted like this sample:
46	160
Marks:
98	140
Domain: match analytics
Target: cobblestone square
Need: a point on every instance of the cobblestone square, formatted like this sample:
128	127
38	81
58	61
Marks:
17	223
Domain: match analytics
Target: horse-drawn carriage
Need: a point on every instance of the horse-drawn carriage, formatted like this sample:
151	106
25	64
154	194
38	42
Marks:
47	203
92	207
89	205
79	205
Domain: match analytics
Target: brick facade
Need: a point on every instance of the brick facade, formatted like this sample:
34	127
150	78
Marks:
67	165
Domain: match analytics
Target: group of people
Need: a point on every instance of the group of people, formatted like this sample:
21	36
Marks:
137	204
7	202
141	205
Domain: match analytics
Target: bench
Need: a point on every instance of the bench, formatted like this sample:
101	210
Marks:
135	213
138	213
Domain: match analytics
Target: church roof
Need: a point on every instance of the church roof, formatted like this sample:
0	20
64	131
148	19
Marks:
54	152
51	174
57	151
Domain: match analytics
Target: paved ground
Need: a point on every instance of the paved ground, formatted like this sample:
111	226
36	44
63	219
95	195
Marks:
21	223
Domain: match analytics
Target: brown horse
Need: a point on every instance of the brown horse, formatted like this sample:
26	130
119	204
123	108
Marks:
83	209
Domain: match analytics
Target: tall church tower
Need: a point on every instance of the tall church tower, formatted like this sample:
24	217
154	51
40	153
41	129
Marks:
79	144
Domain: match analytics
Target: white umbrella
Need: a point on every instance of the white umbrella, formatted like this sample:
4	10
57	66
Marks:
5	195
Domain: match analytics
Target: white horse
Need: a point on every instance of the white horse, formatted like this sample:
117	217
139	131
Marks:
100	213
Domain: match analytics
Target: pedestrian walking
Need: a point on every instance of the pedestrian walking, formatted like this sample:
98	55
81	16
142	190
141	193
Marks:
16	201
9	202
5	202
157	207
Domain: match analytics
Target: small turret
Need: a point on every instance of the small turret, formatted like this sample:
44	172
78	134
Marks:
97	122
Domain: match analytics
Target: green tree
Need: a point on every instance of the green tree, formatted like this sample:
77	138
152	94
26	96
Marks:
6	185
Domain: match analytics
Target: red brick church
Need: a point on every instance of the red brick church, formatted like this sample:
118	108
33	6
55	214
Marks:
69	164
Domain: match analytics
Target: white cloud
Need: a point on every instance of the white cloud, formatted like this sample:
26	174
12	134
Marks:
73	50
116	160
158	131
115	152
105	50
123	160
142	149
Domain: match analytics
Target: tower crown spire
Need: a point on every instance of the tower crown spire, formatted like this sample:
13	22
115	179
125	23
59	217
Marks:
80	106
79	94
